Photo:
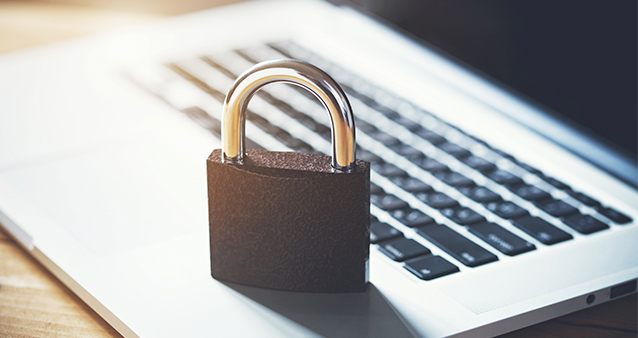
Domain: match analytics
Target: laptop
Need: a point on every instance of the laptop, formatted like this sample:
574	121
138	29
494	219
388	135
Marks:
488	213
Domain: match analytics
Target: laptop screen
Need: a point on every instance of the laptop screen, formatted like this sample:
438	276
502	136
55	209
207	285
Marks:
577	58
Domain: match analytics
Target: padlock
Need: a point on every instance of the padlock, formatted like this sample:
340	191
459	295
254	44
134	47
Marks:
287	220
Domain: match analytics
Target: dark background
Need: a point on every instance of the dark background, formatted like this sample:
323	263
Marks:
576	57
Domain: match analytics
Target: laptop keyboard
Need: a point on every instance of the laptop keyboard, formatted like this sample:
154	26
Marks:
440	198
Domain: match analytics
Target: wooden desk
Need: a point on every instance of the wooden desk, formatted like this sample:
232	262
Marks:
34	304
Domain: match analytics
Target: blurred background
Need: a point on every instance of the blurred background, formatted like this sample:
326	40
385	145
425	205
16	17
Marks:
29	23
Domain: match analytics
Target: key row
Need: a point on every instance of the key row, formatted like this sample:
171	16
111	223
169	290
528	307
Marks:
451	178
464	155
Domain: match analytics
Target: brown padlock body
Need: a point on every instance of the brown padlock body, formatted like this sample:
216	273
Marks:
286	221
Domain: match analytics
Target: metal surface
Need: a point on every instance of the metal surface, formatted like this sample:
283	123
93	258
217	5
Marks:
298	73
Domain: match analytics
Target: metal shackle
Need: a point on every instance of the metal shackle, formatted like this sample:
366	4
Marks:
298	73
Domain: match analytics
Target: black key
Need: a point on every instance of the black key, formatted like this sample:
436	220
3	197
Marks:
503	154
309	123
459	247
479	194
584	199
365	127
430	136
528	167
506	209
476	139
585	224
462	215
479	163
295	144
556	183
431	267
389	113
428	164
437	200
204	119
381	231
291	142
501	239
388	202
411	217
556	208
385	138
324	131
454	150
504	177
368	156
411	184
387	169
407	123
529	192
453	179
375	189
262	123
614	215
403	249
541	230
405	150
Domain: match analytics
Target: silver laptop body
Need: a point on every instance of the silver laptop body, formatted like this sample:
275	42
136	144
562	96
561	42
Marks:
103	142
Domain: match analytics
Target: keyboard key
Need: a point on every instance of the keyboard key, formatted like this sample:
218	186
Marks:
408	124
324	132
309	123
454	150
430	136
375	189
387	169
437	200
556	208
385	138
403	249
585	224
431	267
584	199
411	217
411	184
389	113
405	150
528	167
504	177
541	230
388	202
366	127
368	156
501	239
479	163
204	119
556	183
427	163
462	215
506	209
380	232
459	247
503	154
614	215
479	194
453	179
529	192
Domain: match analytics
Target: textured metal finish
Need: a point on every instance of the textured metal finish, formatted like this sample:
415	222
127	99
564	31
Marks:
276	222
294	72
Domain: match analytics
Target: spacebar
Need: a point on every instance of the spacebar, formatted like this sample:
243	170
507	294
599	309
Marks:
459	247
